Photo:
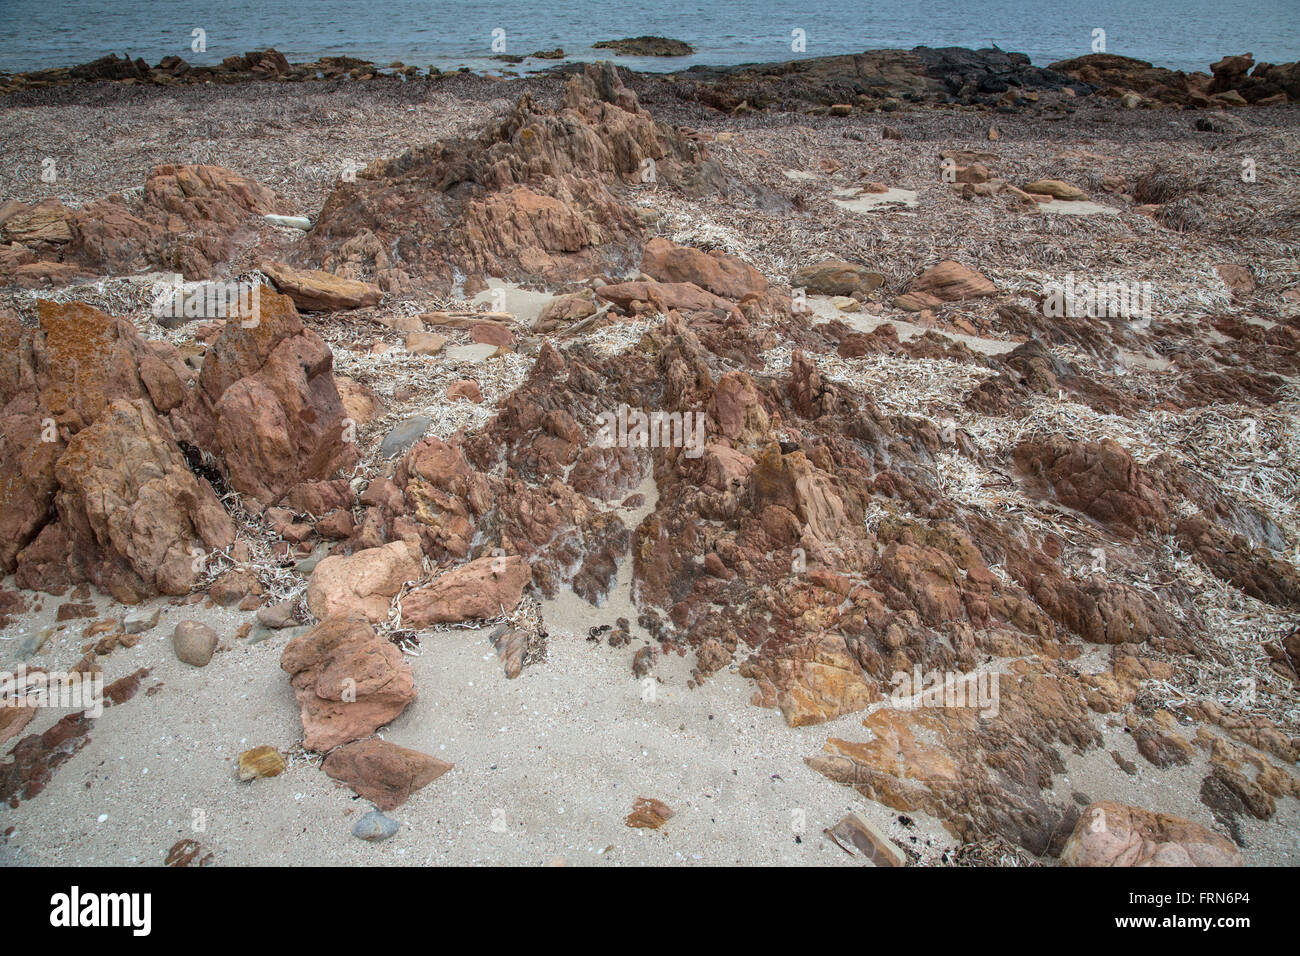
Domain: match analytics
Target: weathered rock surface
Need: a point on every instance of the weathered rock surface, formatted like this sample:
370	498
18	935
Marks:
362	584
348	680
1112	834
382	772
266	406
133	514
183	222
261	761
316	291
537	196
836	277
481	589
723	275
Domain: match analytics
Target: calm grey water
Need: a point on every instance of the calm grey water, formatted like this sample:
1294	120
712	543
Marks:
1182	34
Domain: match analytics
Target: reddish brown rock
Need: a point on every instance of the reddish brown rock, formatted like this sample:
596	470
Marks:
134	515
1112	834
45	221
663	296
837	277
648	814
362	584
466	389
382	772
316	291
266	405
348	680
491	333
723	275
481	589
539	195
187	853
183	221
979	769
1100	479
950	282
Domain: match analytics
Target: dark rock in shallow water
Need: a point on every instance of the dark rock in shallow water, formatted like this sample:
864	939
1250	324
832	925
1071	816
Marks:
646	46
969	74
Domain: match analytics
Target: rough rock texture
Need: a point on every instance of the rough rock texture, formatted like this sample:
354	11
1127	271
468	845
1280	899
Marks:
55	380
362	584
349	681
836	277
316	291
1115	75
382	772
949	282
719	273
1100	479
134	515
538	196
978	774
185	221
481	589
266	406
1112	834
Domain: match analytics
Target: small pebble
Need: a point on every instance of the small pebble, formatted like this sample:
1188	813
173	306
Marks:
374	826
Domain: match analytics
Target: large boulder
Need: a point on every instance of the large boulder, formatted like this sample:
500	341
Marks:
349	681
362	584
946	282
55	381
836	277
266	406
1113	834
721	274
134	514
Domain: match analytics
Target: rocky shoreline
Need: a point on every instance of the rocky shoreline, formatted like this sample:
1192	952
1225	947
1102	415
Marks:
874	79
376	499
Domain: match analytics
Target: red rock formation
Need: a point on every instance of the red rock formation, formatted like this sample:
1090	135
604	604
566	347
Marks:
266	406
538	196
349	681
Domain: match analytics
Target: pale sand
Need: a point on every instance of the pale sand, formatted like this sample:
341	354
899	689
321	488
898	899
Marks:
559	754
855	200
823	310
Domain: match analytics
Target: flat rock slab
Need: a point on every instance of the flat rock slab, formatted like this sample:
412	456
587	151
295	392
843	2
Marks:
477	353
524	304
857	201
823	310
1080	207
855	833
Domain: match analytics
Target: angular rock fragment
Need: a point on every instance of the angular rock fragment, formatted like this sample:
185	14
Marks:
382	772
348	680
